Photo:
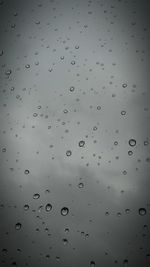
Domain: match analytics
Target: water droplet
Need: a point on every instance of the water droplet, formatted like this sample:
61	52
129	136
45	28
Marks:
65	111
67	230
125	263
50	69
127	211
27	66
72	88
14	264
77	47
81	143
65	241
142	211
73	62
48	207
98	107
146	143
18	226
124	85
36	196
132	142
92	264
68	153
47	191
40	208
95	128
130	153
81	185
123	112
26	172
64	211
26	207
1	52
8	72
115	143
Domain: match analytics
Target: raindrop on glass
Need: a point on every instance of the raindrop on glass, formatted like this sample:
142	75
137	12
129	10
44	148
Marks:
18	226
81	143
48	207
72	88
132	142
92	264
124	85
36	196
26	207
68	153
81	185
142	211
26	172
64	211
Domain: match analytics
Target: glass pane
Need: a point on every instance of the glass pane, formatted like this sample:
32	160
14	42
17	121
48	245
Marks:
74	135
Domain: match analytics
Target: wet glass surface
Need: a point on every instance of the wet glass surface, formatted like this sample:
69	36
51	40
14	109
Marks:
74	133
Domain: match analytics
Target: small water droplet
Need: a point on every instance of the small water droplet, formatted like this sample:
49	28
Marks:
127	211
27	66
48	207
26	172
92	264
65	241
124	85
26	207
142	211
1	52
72	88
64	211
123	112
132	142
81	143
36	196
68	153
18	226
65	111
73	62
81	185
125	263
8	72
